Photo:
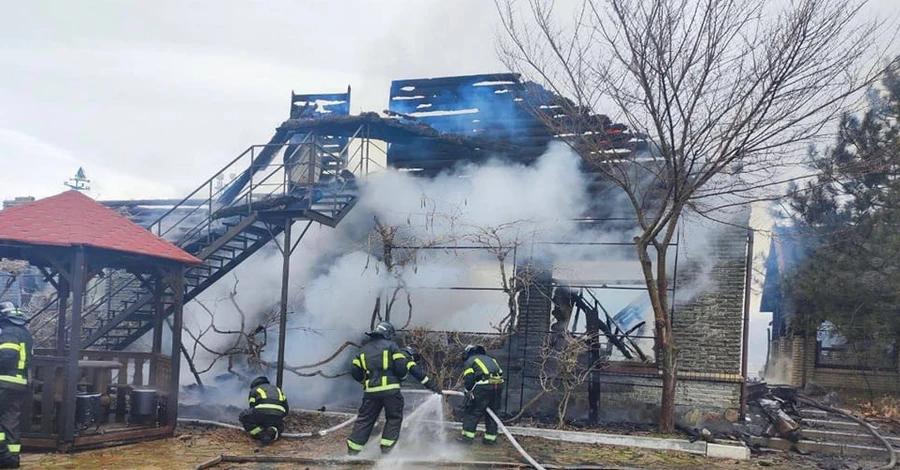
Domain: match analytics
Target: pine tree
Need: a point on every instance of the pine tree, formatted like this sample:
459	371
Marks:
850	217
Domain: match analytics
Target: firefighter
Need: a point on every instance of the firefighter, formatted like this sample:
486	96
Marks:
417	371
15	353
264	420
380	366
483	380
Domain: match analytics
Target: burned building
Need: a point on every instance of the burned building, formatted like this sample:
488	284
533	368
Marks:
307	173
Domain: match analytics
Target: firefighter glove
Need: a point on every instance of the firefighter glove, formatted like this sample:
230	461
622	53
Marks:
433	386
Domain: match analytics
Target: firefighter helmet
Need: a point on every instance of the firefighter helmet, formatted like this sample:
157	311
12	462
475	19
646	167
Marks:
383	329
262	379
11	313
472	350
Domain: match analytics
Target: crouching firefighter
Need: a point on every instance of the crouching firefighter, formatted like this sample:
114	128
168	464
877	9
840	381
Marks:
417	371
15	353
379	367
483	380
264	420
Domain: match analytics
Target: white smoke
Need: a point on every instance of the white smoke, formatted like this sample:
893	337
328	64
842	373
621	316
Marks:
336	276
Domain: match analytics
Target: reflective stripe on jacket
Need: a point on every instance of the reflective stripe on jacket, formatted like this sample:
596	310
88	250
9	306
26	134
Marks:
15	354
480	370
416	371
269	399
380	366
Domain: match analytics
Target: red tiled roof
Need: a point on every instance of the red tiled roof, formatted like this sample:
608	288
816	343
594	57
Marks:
71	219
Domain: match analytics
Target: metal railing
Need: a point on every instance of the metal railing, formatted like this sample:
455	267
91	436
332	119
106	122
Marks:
189	221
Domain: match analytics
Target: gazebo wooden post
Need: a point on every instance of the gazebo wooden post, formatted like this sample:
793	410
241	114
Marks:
67	421
159	287
177	286
63	305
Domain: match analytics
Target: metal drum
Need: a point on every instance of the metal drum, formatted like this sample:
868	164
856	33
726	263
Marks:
143	403
87	408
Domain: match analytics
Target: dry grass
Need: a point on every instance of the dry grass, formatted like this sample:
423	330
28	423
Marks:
883	407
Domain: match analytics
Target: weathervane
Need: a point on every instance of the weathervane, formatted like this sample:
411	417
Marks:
79	182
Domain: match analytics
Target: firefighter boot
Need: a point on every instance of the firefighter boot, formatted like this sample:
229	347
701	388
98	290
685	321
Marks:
12	462
465	438
268	436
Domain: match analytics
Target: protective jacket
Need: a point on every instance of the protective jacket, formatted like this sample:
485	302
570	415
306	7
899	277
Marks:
15	354
380	366
416	371
481	370
268	399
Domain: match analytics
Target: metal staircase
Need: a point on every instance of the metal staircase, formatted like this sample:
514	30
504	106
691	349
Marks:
292	178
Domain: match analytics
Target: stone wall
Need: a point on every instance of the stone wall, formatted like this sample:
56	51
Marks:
637	399
709	327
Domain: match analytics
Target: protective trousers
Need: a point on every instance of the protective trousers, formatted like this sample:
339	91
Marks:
257	425
392	402
10	413
486	396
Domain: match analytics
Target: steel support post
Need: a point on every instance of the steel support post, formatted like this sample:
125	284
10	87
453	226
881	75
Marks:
746	332
286	250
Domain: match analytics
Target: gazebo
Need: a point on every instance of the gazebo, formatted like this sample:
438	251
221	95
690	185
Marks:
78	393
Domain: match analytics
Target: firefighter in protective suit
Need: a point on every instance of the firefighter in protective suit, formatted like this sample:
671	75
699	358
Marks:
264	420
15	353
380	366
417	371
483	380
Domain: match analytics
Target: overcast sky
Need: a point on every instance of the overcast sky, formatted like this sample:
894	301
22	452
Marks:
152	97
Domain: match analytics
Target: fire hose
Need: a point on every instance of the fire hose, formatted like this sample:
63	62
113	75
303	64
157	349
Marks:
512	440
293	435
891	452
509	436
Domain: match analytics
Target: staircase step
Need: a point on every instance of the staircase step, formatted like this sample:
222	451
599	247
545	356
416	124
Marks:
813	413
829	448
218	258
835	424
848	437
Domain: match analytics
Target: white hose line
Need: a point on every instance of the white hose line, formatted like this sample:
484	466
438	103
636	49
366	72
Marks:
506	432
294	435
209	422
323	432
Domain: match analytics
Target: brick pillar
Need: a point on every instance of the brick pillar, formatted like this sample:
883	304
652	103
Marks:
534	312
798	357
532	327
811	350
803	360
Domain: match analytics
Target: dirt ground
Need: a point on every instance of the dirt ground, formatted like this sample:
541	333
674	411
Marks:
194	445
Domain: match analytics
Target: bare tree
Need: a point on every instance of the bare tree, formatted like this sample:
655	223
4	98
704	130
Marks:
502	241
242	345
11	269
565	368
725	93
397	248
